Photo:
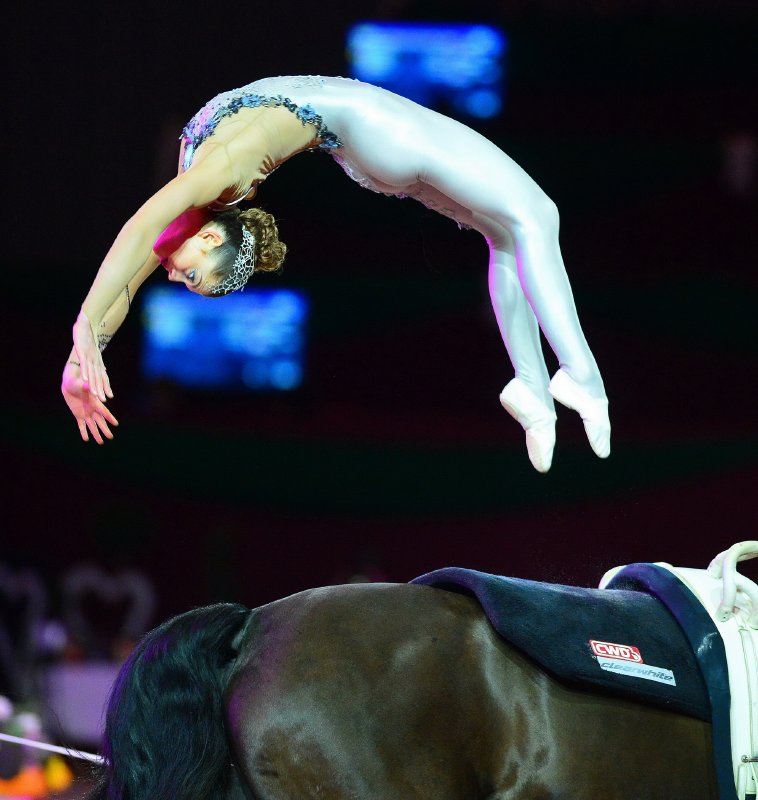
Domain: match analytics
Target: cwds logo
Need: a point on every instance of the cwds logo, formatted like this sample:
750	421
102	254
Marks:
623	652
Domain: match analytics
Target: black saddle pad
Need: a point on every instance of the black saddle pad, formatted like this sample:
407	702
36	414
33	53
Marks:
619	642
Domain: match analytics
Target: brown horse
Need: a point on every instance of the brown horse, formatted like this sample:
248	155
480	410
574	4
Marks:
377	692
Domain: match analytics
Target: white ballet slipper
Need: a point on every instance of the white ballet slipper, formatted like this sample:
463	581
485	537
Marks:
593	410
537	420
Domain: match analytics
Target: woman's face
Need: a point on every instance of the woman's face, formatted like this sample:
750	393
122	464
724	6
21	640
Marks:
184	249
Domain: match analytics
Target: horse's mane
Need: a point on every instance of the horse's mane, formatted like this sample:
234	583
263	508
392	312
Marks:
164	731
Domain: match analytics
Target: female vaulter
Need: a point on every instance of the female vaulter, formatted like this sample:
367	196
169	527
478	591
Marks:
195	229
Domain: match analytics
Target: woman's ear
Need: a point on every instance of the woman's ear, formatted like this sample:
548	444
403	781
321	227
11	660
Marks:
210	237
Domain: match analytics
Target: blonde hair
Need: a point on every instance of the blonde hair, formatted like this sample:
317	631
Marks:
269	251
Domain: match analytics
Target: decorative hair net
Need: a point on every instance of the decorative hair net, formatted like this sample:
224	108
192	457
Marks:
243	267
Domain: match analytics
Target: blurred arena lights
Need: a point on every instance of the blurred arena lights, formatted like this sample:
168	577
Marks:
449	66
253	340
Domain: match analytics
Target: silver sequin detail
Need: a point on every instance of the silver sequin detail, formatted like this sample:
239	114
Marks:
243	267
204	123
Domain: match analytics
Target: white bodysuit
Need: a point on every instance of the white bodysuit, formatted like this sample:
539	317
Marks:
392	145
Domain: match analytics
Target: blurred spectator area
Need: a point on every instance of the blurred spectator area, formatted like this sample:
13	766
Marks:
62	641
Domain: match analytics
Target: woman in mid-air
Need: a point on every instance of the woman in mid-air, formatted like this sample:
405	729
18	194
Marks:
194	228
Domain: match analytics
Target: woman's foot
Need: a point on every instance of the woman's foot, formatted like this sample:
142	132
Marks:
593	410
536	418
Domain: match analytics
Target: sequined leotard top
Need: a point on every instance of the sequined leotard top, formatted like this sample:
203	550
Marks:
381	140
354	121
204	123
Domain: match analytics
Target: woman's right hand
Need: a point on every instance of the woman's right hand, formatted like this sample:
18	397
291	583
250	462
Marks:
90	359
90	412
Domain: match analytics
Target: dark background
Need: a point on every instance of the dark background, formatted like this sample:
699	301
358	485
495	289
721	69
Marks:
397	458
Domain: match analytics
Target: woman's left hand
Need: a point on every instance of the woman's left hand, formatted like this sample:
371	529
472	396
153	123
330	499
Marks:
90	359
91	415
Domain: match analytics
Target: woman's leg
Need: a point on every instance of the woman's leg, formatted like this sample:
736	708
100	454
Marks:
403	147
577	384
468	168
526	397
546	285
516	319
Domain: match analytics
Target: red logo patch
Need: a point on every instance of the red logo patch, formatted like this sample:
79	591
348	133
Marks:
623	652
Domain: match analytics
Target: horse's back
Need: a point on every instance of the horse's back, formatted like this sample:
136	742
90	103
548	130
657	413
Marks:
392	691
363	687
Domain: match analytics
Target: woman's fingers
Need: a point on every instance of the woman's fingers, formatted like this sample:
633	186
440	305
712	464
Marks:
95	381
104	384
97	425
106	413
103	425
107	383
93	429
83	430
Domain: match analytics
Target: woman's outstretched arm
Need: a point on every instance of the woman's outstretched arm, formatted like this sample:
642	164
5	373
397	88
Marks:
195	188
90	411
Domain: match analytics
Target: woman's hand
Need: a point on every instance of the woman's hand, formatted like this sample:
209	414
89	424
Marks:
91	361
90	412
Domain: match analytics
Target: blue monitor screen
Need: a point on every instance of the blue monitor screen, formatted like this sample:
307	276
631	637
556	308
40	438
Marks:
253	340
453	66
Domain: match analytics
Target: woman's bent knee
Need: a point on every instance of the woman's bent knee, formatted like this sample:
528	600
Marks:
539	218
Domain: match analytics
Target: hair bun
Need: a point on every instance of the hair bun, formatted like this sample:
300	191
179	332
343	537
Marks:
270	251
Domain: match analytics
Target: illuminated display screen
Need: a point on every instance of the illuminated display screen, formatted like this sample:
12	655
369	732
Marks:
253	340
452	67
